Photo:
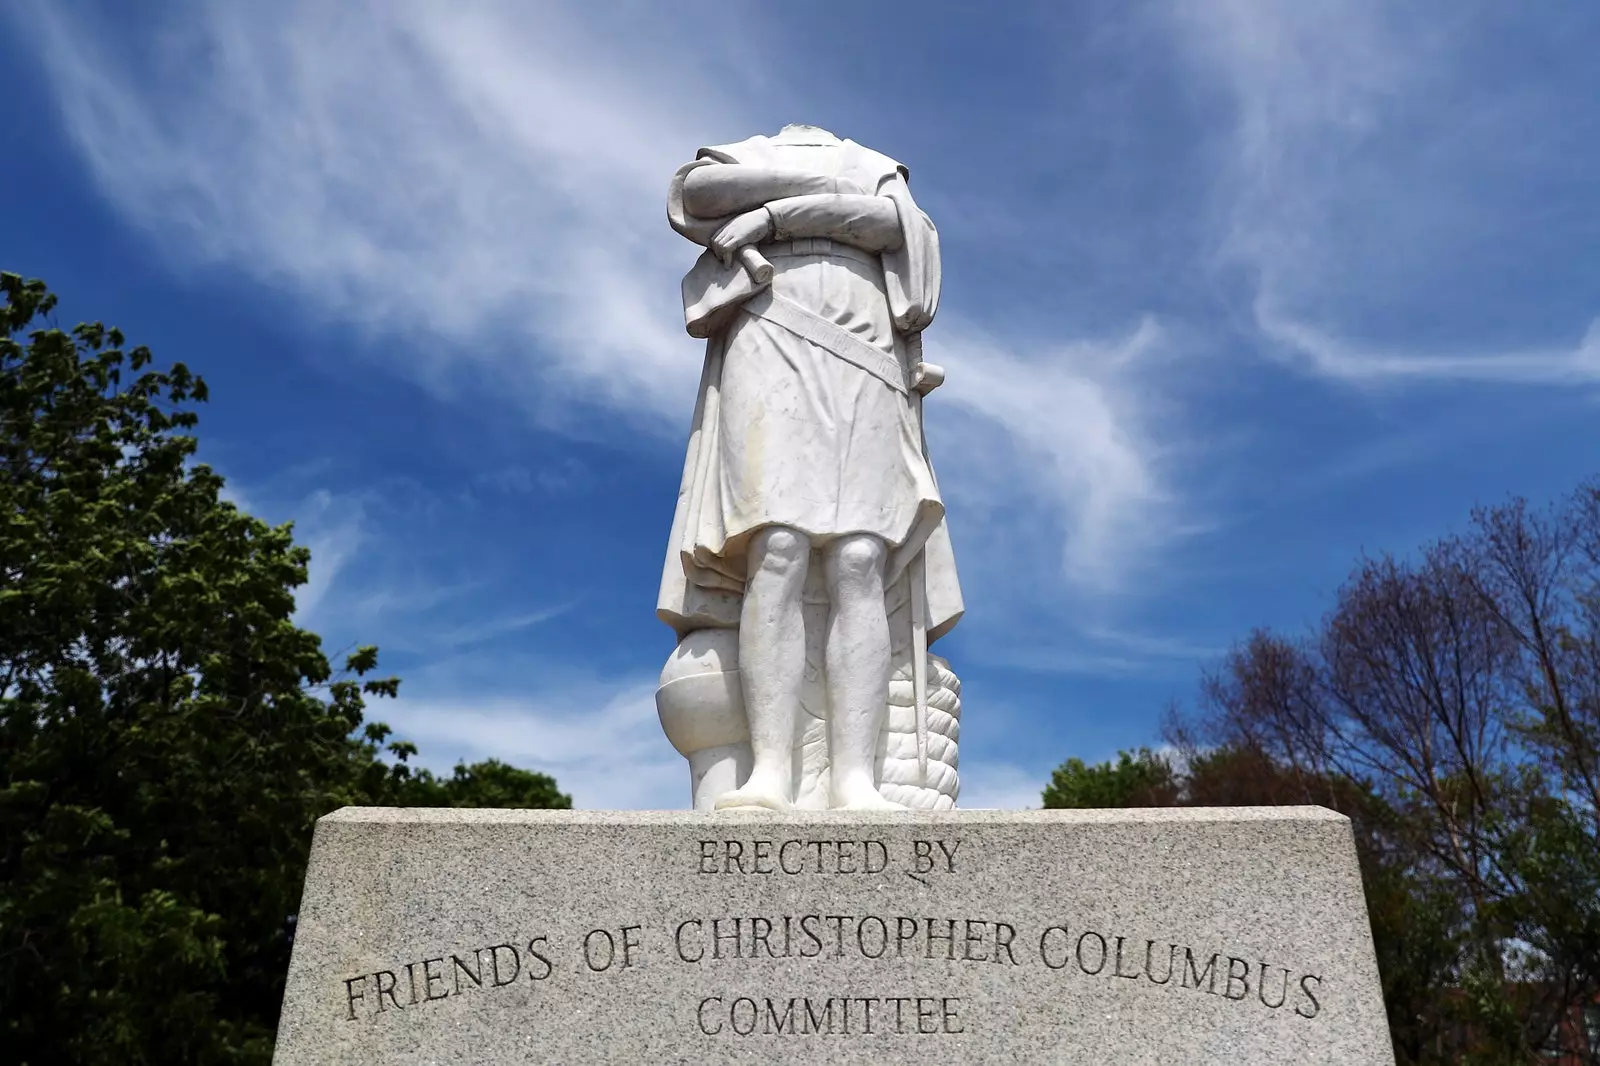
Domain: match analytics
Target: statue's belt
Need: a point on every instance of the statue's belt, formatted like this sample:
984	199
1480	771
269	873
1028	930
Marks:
818	246
837	342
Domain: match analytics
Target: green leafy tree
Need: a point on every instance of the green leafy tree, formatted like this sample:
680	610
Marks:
168	736
490	783
1136	779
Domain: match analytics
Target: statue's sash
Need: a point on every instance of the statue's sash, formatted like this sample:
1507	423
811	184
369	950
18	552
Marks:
837	342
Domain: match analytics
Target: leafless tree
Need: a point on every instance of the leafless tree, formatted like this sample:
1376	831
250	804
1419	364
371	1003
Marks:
1460	692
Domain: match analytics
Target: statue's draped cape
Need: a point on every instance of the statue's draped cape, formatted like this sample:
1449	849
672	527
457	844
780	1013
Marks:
750	464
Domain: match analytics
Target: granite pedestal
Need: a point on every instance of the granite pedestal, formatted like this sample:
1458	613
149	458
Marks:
1131	936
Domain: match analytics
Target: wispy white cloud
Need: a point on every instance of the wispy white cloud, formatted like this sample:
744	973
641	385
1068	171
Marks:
333	528
363	581
550	478
1068	423
1333	357
528	703
999	786
478	633
485	182
405	166
1099	651
1367	162
601	742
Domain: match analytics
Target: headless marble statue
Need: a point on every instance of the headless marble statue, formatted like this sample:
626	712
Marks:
809	566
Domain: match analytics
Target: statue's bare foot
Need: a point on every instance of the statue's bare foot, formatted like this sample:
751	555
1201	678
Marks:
757	792
862	796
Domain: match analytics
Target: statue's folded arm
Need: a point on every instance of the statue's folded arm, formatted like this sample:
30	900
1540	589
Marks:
728	188
870	223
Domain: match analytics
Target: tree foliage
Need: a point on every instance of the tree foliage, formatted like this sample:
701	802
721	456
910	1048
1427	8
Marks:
168	735
1136	779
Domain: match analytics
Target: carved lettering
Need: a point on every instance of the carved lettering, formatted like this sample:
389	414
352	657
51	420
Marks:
1305	989
796	856
1238	970
776	1025
1198	972
630	941
1117	969
352	995
733	1016
1044	946
1100	960
536	954
807	936
838	921
700	1014
833	1016
1210	973
1004	934
1283	992
514	963
760	930
458	968
917	939
977	938
677	940
428	980
1150	971
386	989
456	973
591	950
905	932
806	923
718	937
882	937
600	948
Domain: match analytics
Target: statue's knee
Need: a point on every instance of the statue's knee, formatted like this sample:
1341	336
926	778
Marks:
782	549
857	561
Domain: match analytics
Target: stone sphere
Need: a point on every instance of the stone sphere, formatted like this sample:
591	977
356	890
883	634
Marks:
699	700
703	651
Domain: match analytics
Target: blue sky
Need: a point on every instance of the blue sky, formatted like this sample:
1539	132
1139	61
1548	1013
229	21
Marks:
1234	291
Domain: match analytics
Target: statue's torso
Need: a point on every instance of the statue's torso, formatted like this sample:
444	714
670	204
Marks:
832	280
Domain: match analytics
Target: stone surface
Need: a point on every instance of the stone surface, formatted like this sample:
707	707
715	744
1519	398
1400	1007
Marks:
809	566
432	936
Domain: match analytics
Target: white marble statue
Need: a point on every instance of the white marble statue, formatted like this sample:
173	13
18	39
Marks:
809	566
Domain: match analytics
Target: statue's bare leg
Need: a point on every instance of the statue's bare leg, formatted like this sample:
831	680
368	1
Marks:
857	657
772	663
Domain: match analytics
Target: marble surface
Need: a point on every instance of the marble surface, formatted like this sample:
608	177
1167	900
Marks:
1136	936
809	530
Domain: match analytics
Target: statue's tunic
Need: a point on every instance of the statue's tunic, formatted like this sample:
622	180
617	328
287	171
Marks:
788	433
